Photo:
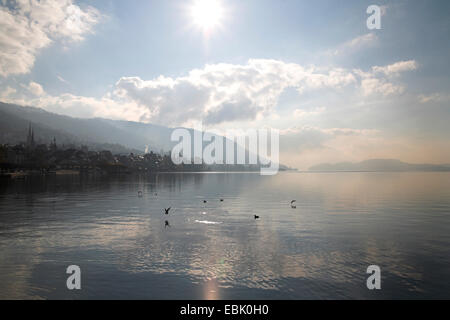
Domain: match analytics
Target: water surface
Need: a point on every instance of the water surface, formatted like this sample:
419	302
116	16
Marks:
127	247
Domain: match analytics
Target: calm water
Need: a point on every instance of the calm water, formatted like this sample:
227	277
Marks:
343	223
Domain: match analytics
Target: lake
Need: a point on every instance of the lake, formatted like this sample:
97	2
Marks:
128	248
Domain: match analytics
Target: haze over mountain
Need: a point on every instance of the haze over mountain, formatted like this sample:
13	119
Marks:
116	135
133	135
379	165
128	136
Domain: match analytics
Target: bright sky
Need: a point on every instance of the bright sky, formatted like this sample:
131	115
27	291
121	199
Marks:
336	90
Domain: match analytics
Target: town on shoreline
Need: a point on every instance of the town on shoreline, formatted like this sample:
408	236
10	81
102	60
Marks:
30	158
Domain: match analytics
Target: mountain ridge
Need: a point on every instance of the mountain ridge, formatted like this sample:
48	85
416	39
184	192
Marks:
80	130
393	165
132	136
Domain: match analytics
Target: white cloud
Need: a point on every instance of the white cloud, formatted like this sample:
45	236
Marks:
372	86
362	41
225	92
357	43
329	132
377	81
396	68
300	113
35	88
216	94
26	26
87	107
62	79
72	105
434	97
7	93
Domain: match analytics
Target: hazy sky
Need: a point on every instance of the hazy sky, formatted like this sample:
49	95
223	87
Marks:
312	69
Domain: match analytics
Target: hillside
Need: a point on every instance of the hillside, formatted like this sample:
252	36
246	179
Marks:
115	135
132	135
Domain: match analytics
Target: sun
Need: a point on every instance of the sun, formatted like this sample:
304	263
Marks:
207	14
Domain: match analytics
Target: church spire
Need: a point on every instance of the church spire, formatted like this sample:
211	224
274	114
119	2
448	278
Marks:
30	137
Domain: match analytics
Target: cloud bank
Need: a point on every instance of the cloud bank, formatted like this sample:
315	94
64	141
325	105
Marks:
218	93
27	26
228	93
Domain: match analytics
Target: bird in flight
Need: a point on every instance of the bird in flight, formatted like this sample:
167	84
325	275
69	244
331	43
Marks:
167	210
256	217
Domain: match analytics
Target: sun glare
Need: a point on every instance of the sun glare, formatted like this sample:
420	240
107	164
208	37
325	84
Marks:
207	14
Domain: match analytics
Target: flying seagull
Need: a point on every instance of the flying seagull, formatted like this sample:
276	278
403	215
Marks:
167	210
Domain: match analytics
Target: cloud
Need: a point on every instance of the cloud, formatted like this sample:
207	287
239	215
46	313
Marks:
329	132
226	92
231	111
305	138
72	105
300	113
214	94
372	86
357	43
27	26
35	88
88	107
396	68
304	146
434	97
62	79
9	91
362	41
378	80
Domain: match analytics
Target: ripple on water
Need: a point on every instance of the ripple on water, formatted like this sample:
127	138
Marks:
207	222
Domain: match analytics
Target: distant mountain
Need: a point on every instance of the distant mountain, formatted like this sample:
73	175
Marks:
115	135
132	135
379	165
